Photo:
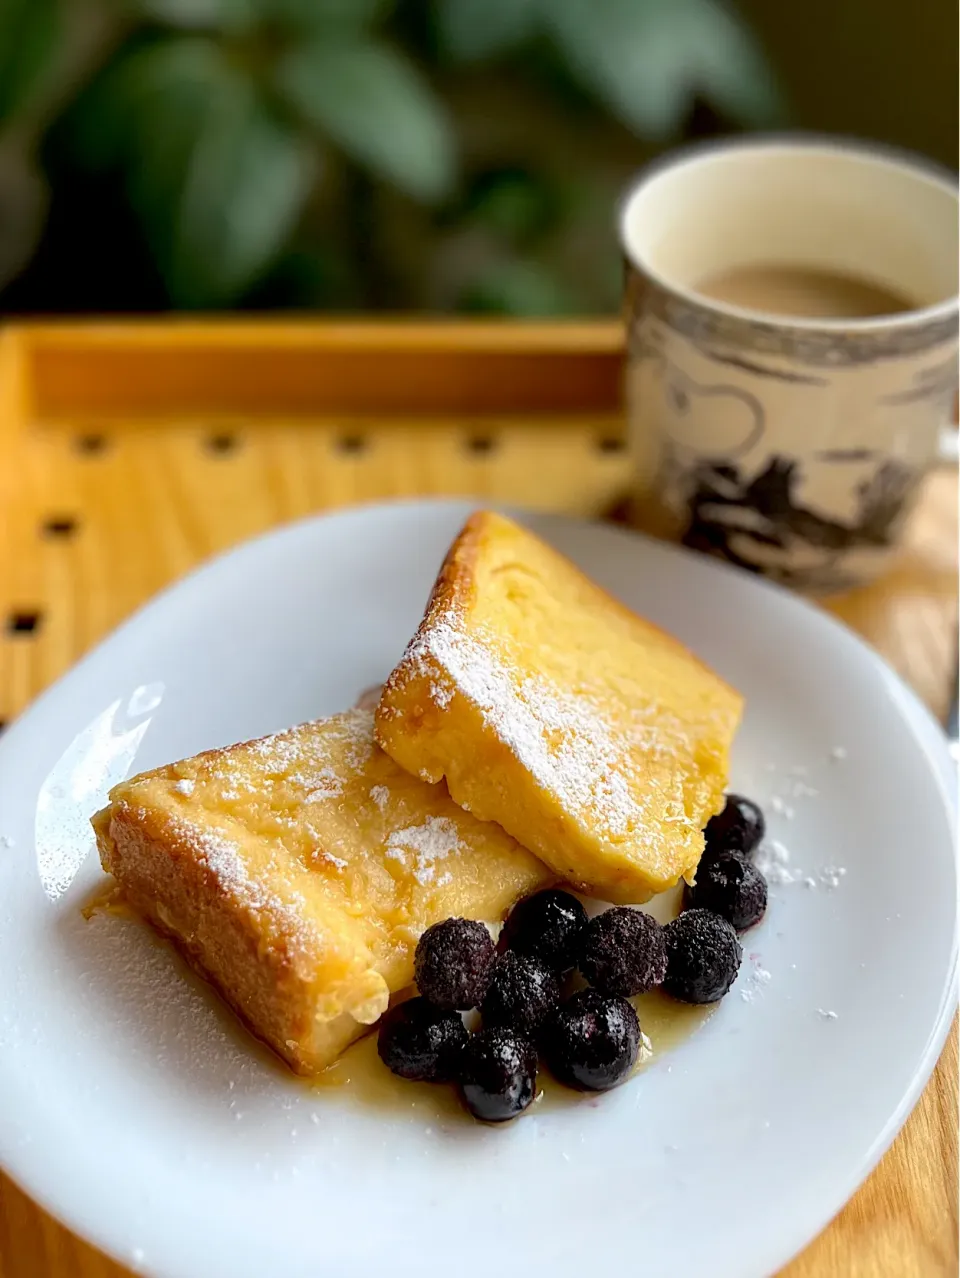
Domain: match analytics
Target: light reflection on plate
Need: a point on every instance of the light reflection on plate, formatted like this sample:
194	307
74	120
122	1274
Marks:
78	784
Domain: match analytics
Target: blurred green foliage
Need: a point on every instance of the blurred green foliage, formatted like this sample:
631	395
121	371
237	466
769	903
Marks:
345	154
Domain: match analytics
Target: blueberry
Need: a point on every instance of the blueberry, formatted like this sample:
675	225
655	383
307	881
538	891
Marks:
738	828
547	926
522	992
730	887
421	1043
703	957
452	964
622	952
591	1042
498	1074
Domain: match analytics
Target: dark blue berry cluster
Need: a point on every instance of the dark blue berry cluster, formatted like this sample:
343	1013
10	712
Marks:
591	1039
730	895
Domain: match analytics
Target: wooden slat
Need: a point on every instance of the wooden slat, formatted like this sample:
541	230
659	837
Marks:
150	369
157	498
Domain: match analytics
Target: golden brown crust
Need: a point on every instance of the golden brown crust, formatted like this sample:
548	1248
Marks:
452	590
165	880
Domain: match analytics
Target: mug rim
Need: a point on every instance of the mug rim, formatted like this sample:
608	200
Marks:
915	165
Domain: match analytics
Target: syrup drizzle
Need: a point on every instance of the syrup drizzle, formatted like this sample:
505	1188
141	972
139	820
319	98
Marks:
360	1077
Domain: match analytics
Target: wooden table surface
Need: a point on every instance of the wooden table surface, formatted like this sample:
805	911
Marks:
162	516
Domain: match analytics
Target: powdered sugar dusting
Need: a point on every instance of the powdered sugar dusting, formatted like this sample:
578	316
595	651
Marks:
325	783
185	786
782	809
380	795
801	790
225	861
303	756
441	695
774	862
300	757
559	735
757	979
830	875
420	847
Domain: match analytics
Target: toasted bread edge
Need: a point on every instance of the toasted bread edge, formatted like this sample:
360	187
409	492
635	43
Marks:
165	882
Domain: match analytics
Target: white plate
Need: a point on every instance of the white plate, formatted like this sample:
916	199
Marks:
134	1110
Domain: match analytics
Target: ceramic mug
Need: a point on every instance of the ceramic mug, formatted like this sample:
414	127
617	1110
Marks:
790	446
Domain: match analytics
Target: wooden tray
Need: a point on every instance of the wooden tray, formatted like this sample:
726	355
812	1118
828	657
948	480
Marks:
130	452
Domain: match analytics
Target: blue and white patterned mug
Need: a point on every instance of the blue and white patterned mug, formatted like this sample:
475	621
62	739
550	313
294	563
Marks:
790	445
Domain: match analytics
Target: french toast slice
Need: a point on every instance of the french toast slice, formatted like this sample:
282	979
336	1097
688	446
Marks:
297	873
590	735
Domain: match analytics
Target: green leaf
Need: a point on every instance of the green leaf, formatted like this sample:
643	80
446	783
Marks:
473	29
647	58
194	15
518	287
23	208
29	34
309	276
374	105
513	203
104	122
328	16
216	181
248	180
735	73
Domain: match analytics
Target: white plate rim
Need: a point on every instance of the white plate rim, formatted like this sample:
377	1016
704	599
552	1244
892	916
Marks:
27	1172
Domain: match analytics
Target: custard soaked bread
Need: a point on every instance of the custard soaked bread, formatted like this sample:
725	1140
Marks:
595	739
298	872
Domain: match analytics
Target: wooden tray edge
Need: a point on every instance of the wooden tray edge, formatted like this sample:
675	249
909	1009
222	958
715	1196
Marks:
158	368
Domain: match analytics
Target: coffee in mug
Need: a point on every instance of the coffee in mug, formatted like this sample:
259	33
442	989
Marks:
803	291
